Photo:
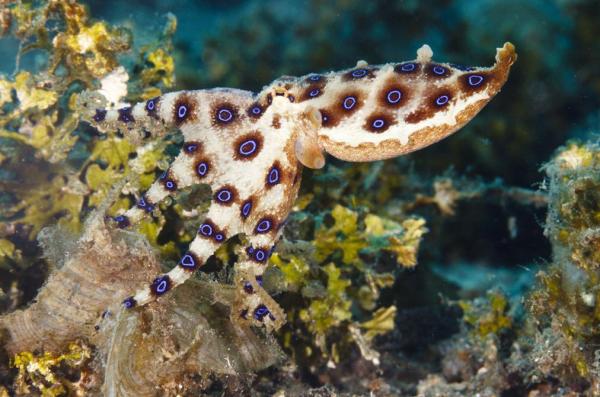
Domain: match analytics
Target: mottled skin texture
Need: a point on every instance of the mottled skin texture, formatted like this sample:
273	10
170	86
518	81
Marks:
250	148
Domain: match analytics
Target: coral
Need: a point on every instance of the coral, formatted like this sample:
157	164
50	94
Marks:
39	373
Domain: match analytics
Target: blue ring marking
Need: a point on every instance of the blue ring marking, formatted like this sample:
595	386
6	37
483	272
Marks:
224	195
378	123
247	148
188	261
225	115
263	226
100	115
202	168
246	208
249	250
273	178
150	105
122	221
475	80
219	237
143	204
359	73
129	303
170	185
190	147
248	287
259	280
439	70
408	67
206	230
160	285
260	255
125	115
315	77
394	96
442	100
260	312
256	110
182	111
291	98
349	102
315	92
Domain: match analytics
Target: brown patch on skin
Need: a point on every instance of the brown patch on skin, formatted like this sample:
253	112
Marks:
398	69
125	115
191	106
345	98
237	146
196	260
358	74
246	214
276	123
465	86
233	195
168	181
270	220
432	68
313	91
224	114
192	148
393	147
420	114
328	118
255	111
379	122
429	107
152	107
388	97
199	168
275	175
315	79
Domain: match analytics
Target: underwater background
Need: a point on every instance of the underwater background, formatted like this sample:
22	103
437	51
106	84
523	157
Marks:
470	267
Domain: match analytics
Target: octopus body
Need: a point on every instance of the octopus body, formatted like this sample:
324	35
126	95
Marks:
250	149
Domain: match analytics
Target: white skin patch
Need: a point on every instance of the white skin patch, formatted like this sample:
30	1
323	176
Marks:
289	123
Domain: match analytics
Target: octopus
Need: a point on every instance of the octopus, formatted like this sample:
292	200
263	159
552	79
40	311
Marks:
251	148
